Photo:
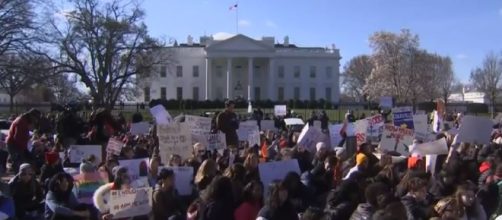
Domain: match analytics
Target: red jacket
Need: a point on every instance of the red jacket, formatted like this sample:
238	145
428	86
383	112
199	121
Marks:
19	133
247	211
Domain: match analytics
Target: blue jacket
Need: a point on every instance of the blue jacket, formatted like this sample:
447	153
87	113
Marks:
52	206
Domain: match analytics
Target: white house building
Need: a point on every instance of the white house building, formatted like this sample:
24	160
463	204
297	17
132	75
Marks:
239	66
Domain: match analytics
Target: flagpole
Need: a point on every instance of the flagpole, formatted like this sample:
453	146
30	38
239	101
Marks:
237	18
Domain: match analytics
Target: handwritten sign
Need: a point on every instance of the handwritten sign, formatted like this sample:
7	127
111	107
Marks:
245	129
403	117
437	147
198	125
396	139
309	137
136	167
161	115
183	179
140	128
211	141
475	130
280	110
130	202
79	152
375	128
174	139
114	146
277	170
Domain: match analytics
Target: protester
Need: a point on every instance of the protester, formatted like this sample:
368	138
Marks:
166	201
252	202
52	167
228	123
26	192
278	205
217	200
19	136
102	195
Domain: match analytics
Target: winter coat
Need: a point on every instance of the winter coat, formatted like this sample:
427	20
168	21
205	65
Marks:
363	211
414	209
166	204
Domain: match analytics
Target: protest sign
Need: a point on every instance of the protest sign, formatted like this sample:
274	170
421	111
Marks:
174	139
198	125
280	110
246	129
293	121
268	125
114	146
254	138
211	141
361	127
140	128
161	115
475	130
184	179
130	202
85	186
79	152
430	163
375	128
437	147
334	134
403	117
420	127
272	171
396	139
436	122
309	137
386	102
136	167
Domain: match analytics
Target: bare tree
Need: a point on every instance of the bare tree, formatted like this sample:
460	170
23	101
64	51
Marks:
445	78
486	78
16	20
65	89
355	73
105	43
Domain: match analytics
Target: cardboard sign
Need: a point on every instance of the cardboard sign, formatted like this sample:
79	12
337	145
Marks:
198	125
79	152
140	128
437	147
183	179
334	134
396	139
136	168
85	185
420	127
277	170
174	139
386	102
161	115
114	146
280	110
309	137
403	117
475	130
130	202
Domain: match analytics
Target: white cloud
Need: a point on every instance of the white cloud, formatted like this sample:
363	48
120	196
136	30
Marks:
270	24
461	56
244	23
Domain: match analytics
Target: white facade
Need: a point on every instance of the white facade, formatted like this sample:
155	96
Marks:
243	67
471	97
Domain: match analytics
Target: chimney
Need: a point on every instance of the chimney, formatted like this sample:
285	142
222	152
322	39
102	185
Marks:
286	41
190	40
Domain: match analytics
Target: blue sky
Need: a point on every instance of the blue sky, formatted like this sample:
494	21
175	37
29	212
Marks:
465	30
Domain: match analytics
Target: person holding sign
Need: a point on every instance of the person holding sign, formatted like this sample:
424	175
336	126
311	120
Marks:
228	123
122	181
166	201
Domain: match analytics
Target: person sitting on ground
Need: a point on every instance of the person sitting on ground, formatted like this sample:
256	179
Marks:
166	201
26	192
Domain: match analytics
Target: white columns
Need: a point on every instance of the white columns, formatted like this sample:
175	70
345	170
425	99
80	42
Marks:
208	79
271	77
250	78
229	78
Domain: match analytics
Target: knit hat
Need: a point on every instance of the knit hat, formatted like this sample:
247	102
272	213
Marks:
360	159
86	167
51	157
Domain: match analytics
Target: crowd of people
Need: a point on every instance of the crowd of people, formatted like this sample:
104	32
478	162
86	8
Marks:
331	185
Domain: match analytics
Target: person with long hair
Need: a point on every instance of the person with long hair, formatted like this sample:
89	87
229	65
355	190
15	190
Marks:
251	164
467	205
236	173
415	201
60	202
278	206
120	182
252	202
217	201
205	174
166	201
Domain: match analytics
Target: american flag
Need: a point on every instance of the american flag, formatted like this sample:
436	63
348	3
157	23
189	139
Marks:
232	7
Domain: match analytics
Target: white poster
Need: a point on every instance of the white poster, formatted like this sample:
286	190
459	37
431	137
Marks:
211	141
136	167
183	179
309	137
334	134
361	127
386	102
436	122
375	128
130	202
140	128
421	127
114	146
254	138
79	152
198	125
430	163
437	147
475	130
161	115
174	139
246	129
277	170
280	110
293	121
396	139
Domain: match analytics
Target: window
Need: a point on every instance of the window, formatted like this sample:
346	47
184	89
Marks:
179	71
219	71
147	94
297	71
163	71
196	93
179	93
329	72
312	72
163	93
280	93
195	71
219	92
297	93
312	94
257	93
328	94
281	72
